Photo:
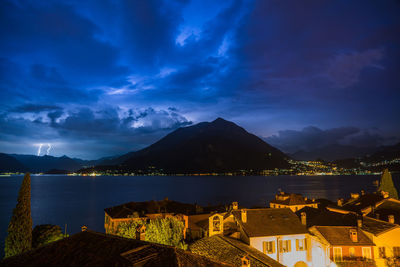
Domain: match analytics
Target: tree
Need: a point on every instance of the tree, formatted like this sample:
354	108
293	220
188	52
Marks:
166	231
386	184
19	238
46	233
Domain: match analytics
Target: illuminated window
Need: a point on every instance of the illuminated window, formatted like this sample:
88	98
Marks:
337	254
216	224
301	244
382	252
366	252
269	247
352	252
284	246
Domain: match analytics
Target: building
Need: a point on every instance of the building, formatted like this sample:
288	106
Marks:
294	202
345	245
358	202
166	208
232	251
278	233
90	248
385	235
387	209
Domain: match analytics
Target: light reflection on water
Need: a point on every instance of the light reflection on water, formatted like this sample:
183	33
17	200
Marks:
78	201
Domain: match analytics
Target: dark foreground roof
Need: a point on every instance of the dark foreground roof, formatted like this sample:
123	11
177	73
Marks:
225	249
96	249
270	222
151	207
340	236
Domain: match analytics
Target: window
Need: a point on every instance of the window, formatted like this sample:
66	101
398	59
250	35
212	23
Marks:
216	224
396	251
301	244
352	252
284	246
269	247
337	254
366	252
382	252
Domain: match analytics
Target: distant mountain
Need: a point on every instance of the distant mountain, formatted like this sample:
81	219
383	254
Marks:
10	164
334	152
384	153
45	163
218	146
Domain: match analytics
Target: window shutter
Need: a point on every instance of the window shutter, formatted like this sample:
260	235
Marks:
273	246
289	245
297	244
265	247
280	246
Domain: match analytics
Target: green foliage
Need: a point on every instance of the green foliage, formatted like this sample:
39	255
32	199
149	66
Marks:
46	233
166	231
129	229
387	185
19	238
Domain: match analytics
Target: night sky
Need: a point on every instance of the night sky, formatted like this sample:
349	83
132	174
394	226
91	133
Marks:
101	78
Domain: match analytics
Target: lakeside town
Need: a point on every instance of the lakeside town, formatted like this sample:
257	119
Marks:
291	230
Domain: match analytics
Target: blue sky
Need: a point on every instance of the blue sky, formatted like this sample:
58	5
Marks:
106	77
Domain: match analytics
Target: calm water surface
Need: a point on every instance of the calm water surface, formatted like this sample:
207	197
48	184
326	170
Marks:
77	201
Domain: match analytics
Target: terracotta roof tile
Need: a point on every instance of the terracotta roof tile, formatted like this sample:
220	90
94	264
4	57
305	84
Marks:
270	222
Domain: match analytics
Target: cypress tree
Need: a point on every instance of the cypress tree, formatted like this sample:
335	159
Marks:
19	238
386	184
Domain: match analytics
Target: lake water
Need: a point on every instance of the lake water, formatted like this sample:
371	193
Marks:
77	201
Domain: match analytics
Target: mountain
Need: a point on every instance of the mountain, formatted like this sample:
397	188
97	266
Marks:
218	146
10	164
384	153
334	152
45	163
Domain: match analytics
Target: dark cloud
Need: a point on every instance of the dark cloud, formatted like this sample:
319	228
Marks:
268	65
34	108
311	138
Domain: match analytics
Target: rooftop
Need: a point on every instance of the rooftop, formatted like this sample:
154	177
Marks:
340	236
318	217
291	199
140	209
229	250
96	249
270	222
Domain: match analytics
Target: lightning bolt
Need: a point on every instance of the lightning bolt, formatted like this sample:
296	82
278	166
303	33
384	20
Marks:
40	148
48	149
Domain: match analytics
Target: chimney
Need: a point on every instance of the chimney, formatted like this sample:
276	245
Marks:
141	232
359	223
245	261
84	228
303	216
391	219
235	205
353	235
340	202
385	194
244	215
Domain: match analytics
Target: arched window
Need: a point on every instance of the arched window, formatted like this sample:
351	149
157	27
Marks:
216	224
